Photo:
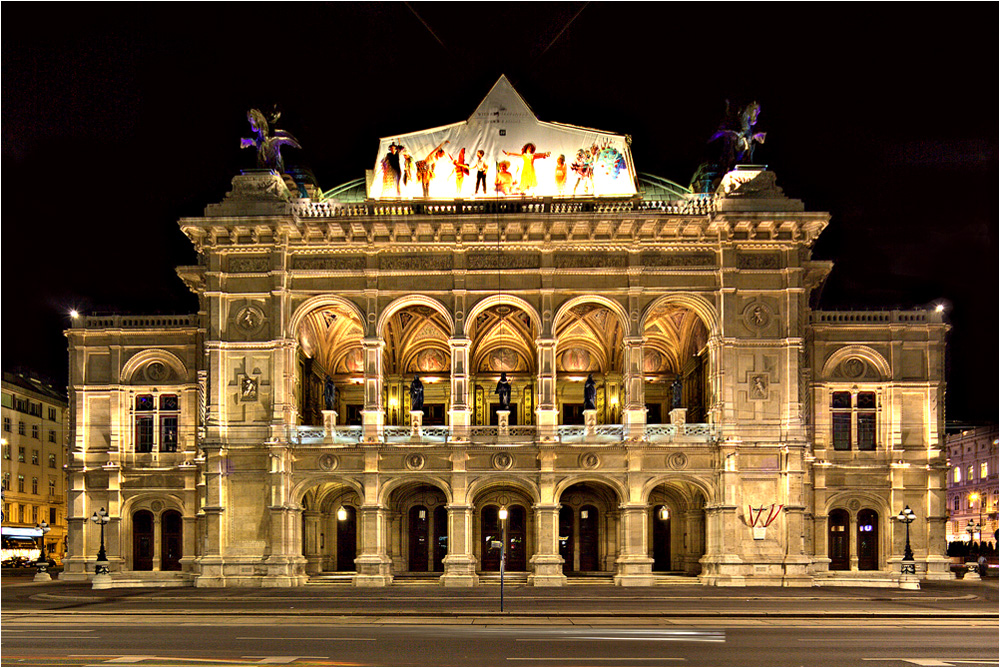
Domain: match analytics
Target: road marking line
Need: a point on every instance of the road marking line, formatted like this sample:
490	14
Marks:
281	659
628	638
595	658
940	662
298	638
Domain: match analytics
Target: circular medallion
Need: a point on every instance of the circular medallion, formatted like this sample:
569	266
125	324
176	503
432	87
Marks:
415	462
156	506
575	499
156	371
431	360
651	361
576	359
328	462
854	505
757	315
589	461
249	319
677	461
503	500
853	368
502	461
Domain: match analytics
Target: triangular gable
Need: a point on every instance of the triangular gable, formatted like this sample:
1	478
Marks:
441	163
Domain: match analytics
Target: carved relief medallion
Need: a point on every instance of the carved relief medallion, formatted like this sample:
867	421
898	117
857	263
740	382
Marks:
589	460
758	386
854	505
757	316
328	462
677	461
249	319
156	371
502	461
415	462
853	368
248	388
156	506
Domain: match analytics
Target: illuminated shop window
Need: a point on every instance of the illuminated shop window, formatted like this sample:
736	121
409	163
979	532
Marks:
958	475
984	469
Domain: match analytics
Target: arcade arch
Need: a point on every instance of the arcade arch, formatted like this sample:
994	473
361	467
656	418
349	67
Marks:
416	344
676	362
503	338
330	527
329	344
590	340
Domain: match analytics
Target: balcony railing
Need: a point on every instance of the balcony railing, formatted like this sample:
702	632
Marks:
660	434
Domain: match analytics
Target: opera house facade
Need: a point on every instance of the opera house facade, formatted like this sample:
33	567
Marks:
506	344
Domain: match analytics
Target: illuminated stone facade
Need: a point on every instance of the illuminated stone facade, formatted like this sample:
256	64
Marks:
973	493
822	424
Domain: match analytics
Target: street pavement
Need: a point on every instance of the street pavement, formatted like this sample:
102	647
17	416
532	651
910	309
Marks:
944	623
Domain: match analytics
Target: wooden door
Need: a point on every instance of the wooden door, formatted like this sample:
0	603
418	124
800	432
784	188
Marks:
142	541
868	540
418	539
839	541
589	539
171	540
489	530
440	537
517	558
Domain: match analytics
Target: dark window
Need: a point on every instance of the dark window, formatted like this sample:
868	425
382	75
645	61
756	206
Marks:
841	400
34	431
168	433
144	433
842	431
34	485
168	402
34	457
20	453
20	484
6	451
52	515
52	487
144	402
52	461
20	427
52	436
52	413
6	424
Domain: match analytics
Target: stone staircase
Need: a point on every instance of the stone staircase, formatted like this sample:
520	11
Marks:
512	578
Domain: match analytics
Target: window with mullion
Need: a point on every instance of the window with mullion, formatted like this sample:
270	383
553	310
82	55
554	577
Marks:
841	406
144	433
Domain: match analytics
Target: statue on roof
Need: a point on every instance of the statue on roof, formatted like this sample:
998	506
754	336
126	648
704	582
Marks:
268	140
739	138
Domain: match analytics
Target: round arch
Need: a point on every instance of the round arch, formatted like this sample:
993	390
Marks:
434	481
497	300
608	303
866	353
413	300
144	357
866	499
482	485
621	491
320	301
703	308
304	486
669	480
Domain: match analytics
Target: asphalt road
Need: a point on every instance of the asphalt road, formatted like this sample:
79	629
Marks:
60	624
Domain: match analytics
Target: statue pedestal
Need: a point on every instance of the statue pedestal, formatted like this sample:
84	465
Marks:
589	422
416	425
678	416
971	572
329	423
503	422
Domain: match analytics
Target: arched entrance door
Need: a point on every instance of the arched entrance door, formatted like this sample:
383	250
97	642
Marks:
419	543
171	540
839	540
142	541
566	539
516	539
347	543
490	531
661	538
868	540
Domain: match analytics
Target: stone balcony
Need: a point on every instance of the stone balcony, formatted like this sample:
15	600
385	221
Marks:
605	434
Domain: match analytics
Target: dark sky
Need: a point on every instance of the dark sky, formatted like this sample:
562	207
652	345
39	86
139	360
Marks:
118	119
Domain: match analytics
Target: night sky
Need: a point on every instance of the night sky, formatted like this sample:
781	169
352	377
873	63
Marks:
120	119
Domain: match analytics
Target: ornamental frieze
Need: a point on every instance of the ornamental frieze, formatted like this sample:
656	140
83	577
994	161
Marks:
328	262
503	261
580	260
678	259
243	264
758	261
415	262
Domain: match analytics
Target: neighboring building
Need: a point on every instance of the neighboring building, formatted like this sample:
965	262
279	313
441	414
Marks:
736	434
34	447
973	484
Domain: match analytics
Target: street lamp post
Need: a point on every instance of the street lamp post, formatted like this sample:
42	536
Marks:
971	564
42	564
503	548
100	517
908	567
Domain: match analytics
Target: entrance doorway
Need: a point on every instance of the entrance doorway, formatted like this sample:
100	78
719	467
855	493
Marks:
418	539
589	559
171	540
868	540
347	545
566	538
839	541
440	538
661	538
142	541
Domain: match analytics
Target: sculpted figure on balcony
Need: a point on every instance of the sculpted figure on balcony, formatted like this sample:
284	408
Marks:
329	394
416	395
590	393
503	392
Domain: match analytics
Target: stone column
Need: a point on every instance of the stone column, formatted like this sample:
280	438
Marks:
460	414
503	425
589	422
215	536
460	562
329	425
374	568
416	425
634	567
546	563
634	411
547	413
310	542
373	415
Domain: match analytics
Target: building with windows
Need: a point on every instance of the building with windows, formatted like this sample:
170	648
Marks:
677	407
33	438
973	492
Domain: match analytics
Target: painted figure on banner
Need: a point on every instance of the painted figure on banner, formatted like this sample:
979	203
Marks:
391	171
505	180
425	167
416	394
560	175
406	167
481	167
590	393
461	169
503	392
584	168
528	156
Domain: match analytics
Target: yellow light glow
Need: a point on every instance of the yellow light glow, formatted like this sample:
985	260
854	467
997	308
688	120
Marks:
614	400
939	308
342	514
74	314
393	402
503	513
974	497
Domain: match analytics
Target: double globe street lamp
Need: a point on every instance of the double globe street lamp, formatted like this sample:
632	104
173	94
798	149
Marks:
101	517
43	564
908	567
